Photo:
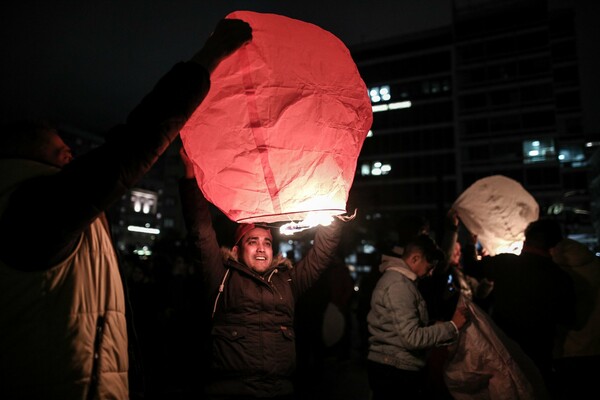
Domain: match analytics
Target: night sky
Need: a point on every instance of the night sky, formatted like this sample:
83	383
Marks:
88	63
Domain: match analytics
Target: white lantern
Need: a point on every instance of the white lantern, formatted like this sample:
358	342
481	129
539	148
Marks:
497	209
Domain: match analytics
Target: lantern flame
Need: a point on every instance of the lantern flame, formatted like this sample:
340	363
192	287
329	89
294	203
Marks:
311	220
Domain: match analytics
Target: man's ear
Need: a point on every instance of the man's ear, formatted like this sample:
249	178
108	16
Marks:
415	258
235	251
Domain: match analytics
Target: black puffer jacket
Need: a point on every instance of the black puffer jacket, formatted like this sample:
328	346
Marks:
252	335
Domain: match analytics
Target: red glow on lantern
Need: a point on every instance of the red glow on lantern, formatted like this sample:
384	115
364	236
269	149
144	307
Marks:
280	131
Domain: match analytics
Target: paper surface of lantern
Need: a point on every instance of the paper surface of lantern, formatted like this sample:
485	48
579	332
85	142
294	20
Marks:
280	131
497	209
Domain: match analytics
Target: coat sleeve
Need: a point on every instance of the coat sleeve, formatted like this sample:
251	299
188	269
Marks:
318	258
90	185
402	302
201	235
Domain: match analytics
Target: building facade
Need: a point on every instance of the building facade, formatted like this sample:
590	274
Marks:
496	93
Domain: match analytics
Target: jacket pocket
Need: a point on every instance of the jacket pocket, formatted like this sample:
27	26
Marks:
230	346
284	351
229	332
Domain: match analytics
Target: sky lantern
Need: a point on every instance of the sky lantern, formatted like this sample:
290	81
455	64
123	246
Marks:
497	209
278	136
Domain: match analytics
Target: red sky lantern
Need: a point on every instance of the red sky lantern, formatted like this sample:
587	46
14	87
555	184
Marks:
278	136
497	209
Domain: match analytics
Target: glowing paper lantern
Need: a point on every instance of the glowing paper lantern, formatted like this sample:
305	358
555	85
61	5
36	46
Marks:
280	131
497	209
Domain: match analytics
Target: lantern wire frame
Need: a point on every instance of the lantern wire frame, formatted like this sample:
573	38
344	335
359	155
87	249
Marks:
312	220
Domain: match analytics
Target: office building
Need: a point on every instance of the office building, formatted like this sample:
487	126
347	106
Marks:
498	92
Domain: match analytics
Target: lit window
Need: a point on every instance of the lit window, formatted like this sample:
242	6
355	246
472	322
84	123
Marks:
143	229
400	104
571	154
538	151
392	106
368	248
374	94
377	168
445	85
385	94
365	169
144	251
144	201
380	93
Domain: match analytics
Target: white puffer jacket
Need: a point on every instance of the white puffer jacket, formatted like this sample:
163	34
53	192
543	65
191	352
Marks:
60	334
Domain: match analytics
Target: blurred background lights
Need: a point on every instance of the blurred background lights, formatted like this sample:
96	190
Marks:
380	93
376	168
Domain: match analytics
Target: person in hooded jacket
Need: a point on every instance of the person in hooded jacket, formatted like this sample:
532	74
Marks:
63	327
251	295
399	325
532	295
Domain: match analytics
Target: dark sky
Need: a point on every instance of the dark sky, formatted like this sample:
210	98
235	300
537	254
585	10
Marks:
88	63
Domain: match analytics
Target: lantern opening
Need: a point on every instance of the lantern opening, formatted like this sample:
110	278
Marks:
311	220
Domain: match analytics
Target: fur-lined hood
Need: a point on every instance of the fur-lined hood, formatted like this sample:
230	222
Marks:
278	260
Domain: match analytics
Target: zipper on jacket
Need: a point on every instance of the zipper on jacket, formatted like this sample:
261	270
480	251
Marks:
273	285
92	391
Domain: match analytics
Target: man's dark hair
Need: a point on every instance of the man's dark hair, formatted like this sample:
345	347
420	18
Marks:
543	233
22	138
433	254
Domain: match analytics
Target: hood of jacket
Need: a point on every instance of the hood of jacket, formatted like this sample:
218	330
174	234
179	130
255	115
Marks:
396	264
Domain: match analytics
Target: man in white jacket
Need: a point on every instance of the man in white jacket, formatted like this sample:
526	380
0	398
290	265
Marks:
63	327
400	333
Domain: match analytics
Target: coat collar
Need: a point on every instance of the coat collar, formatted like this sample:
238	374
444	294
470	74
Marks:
398	265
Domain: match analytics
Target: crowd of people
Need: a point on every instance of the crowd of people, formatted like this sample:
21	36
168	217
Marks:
205	320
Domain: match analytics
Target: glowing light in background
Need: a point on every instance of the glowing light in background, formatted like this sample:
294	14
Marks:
141	229
392	106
